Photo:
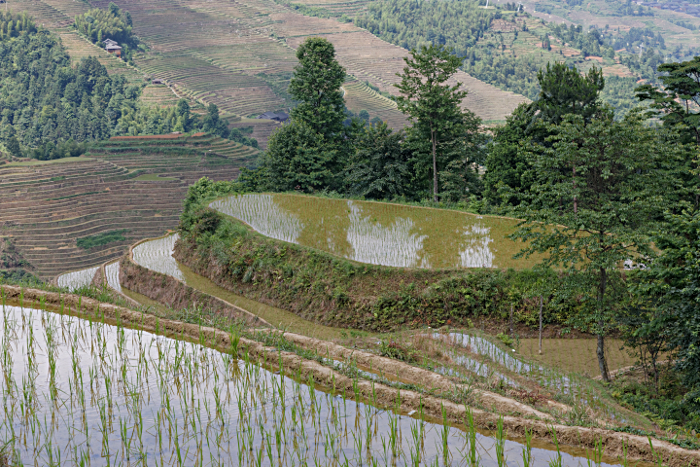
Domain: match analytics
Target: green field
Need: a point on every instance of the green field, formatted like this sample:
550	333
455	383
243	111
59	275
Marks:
381	233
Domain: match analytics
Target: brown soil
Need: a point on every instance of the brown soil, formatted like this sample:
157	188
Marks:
637	447
175	294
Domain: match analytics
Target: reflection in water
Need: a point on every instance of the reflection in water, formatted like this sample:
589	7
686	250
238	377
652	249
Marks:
476	252
112	273
375	233
91	393
373	243
157	255
262	214
77	279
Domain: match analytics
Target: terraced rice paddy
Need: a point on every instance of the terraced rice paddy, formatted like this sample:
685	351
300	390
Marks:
156	255
77	279
87	392
239	56
380	233
135	185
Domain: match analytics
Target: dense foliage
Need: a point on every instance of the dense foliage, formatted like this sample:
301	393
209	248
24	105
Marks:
44	100
114	23
101	239
321	149
49	107
564	91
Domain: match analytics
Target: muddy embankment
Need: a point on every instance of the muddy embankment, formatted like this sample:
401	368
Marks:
637	447
177	295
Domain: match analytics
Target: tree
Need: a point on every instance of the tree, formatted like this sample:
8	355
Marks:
592	219
678	100
671	285
432	104
676	104
379	167
299	158
316	84
13	146
564	91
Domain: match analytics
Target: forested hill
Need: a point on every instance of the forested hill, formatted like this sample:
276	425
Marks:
507	49
48	105
44	100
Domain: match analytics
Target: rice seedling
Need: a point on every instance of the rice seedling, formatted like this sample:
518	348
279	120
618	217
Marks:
118	396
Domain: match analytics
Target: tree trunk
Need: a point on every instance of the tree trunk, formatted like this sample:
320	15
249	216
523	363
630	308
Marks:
600	350
575	198
540	324
435	172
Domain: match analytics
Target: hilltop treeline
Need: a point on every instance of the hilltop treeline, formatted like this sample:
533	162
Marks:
48	105
410	23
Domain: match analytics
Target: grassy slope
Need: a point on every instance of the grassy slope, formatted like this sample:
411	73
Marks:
337	292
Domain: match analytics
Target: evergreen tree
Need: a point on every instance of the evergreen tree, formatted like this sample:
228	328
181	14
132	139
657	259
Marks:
316	84
592	219
379	168
299	158
564	91
430	103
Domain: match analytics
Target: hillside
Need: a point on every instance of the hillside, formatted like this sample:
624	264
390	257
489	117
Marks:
240	57
80	212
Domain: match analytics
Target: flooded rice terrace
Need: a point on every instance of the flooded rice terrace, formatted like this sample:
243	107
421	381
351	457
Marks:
380	233
82	392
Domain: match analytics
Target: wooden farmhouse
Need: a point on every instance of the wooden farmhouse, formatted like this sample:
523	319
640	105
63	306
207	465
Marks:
113	47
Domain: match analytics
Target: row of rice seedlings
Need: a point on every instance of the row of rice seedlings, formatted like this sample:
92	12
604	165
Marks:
83	392
76	279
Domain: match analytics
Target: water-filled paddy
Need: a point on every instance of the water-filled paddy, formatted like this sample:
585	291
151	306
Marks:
380	233
78	391
76	279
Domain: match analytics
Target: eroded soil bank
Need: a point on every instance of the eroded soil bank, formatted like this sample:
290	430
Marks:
637	447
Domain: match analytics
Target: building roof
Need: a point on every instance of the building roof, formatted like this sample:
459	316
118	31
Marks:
110	42
112	47
279	116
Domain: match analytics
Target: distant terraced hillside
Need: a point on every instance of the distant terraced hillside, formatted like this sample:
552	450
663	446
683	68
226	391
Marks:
240	56
76	213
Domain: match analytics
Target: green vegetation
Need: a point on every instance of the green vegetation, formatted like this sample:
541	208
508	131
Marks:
307	153
322	150
433	106
509	171
52	115
115	24
101	239
325	288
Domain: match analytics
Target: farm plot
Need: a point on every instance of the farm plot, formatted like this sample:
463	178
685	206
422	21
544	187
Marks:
233	54
47	207
359	96
380	233
117	394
